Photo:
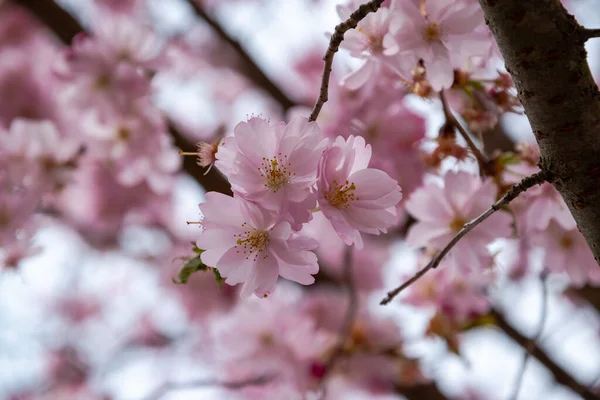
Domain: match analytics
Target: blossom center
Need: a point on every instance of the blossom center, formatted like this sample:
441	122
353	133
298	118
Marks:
566	242
252	242
457	224
432	32
123	134
341	195
276	171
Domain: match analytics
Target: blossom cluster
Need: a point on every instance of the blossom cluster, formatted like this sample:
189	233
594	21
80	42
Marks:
440	35
280	175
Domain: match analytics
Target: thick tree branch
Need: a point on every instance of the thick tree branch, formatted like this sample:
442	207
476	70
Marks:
334	46
252	71
65	27
513	193
544	52
590	33
561	376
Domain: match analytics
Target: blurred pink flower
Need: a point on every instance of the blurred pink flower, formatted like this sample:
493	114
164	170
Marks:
441	212
567	251
248	244
353	197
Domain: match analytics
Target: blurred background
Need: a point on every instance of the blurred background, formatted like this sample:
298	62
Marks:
90	310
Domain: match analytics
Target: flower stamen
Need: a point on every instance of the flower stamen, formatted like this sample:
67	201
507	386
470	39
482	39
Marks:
341	195
253	241
276	171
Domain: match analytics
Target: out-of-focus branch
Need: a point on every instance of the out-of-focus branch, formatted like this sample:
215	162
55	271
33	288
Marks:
334	45
65	27
252	71
513	193
543	315
482	160
348	321
561	376
53	17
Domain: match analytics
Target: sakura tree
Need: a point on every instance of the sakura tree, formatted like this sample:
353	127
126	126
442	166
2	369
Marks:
299	200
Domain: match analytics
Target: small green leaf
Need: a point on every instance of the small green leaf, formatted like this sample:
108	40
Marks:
509	158
192	265
218	276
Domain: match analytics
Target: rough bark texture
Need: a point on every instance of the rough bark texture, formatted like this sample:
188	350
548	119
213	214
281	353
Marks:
543	49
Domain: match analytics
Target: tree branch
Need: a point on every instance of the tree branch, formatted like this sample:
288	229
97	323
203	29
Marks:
252	71
590	33
561	376
544	52
348	322
334	45
512	194
482	160
543	315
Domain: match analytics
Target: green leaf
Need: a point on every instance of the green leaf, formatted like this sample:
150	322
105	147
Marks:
218	276
194	264
509	158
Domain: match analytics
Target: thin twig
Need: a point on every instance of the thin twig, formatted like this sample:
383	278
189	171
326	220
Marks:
590	33
334	45
482	160
234	385
543	315
513	193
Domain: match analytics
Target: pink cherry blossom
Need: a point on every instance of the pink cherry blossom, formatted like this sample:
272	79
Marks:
441	211
280	340
567	251
456	295
442	36
353	197
126	40
248	244
366	42
274	165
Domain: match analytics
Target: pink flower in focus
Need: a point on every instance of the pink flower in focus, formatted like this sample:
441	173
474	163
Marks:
353	197
442	36
441	213
567	251
248	244
274	165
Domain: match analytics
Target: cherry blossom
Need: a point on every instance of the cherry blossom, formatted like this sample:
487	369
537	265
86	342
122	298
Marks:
442	211
353	197
274	165
567	251
247	244
441	36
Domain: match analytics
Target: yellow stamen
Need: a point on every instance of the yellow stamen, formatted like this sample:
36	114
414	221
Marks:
341	195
